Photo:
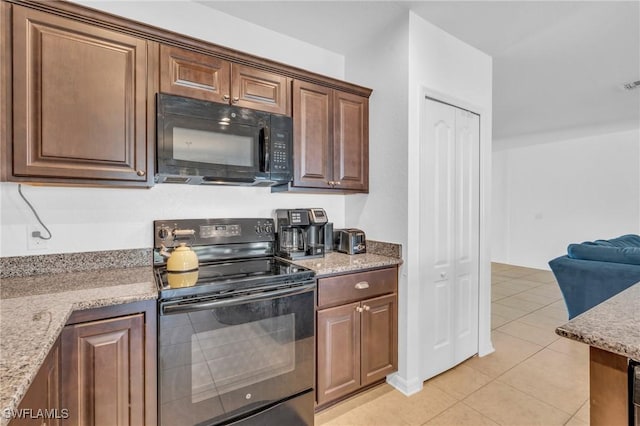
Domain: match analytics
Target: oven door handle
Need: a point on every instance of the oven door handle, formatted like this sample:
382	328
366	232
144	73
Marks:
179	308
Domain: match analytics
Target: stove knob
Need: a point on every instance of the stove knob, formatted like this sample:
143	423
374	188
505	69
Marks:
258	230
268	229
163	233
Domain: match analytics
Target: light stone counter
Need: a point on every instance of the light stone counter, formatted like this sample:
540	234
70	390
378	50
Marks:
613	325
337	263
33	311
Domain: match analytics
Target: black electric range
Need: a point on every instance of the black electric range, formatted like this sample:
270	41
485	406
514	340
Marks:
237	336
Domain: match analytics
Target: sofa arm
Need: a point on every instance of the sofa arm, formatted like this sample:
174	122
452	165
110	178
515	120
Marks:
586	283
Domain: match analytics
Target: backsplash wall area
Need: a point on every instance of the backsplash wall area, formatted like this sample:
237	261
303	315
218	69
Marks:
93	219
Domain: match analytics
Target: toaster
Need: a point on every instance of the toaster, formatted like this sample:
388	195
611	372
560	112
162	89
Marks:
350	241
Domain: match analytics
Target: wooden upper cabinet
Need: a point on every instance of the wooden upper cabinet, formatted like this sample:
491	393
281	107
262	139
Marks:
331	138
79	101
200	76
312	135
194	75
351	141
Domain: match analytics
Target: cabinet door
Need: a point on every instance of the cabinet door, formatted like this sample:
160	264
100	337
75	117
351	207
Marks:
194	75
338	352
379	338
43	394
79	98
261	90
313	135
351	141
103	364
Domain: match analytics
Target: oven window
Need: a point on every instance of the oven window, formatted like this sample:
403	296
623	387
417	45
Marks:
234	357
213	147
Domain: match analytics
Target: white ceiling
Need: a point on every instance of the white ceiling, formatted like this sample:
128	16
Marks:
558	65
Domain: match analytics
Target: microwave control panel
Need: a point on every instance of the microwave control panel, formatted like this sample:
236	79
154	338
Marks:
281	148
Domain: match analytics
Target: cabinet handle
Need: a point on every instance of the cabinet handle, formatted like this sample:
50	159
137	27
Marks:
367	307
359	309
362	285
140	172
225	98
234	100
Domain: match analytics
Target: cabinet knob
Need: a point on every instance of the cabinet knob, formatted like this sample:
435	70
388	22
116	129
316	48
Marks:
330	182
140	172
234	100
359	309
367	307
225	98
362	285
336	182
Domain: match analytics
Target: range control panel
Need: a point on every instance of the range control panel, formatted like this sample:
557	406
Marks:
203	232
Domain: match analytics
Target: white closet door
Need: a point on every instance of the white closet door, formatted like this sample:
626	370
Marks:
449	236
467	211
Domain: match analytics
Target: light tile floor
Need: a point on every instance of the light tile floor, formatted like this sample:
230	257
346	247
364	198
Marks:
534	377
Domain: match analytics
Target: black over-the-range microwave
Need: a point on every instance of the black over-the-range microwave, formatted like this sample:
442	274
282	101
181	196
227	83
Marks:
201	142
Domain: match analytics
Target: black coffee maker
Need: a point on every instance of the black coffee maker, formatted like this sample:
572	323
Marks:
301	233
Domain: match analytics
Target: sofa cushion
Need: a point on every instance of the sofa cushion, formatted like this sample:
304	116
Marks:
629	240
603	253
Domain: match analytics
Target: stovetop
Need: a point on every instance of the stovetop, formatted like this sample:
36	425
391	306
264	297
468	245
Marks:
229	276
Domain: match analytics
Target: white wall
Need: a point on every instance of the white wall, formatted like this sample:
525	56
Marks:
406	58
91	219
383	64
196	20
566	191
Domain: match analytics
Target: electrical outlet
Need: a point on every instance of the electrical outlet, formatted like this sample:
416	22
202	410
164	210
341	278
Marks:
35	243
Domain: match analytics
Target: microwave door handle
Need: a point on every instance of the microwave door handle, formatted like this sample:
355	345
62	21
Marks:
264	149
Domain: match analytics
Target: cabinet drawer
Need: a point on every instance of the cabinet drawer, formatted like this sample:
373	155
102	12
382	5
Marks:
358	286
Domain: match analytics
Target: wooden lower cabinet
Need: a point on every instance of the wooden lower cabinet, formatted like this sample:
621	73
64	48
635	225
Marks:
357	342
608	388
41	405
103	363
379	339
100	372
338	352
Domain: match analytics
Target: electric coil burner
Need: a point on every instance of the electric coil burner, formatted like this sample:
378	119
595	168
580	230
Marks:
236	336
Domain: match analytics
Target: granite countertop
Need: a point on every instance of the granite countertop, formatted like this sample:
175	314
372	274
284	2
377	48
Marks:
336	263
37	298
613	325
34	309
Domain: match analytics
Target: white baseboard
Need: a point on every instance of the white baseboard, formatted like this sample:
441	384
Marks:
486	349
407	387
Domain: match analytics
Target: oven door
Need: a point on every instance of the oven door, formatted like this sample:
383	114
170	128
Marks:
209	142
224	360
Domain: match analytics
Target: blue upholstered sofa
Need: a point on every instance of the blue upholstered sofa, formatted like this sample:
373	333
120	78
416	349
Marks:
592	272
